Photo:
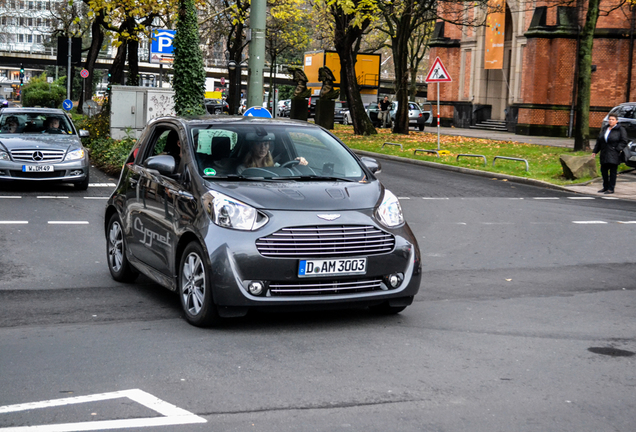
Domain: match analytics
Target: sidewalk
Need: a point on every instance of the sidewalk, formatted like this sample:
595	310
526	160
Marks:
625	183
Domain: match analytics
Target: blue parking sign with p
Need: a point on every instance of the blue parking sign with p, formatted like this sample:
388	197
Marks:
162	41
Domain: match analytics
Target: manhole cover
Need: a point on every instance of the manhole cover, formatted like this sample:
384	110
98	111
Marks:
613	352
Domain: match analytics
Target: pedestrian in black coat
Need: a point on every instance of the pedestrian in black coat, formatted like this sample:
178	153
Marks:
610	142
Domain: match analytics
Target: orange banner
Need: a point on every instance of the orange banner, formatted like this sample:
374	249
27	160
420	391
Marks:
495	30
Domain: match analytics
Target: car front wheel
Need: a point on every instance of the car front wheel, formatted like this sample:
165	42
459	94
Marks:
120	268
194	288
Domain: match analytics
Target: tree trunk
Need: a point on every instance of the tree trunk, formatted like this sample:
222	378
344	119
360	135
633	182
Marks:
345	37
235	48
117	68
133	63
582	129
97	39
399	45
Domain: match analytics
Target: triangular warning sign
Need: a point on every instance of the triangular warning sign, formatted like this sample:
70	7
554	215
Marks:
438	73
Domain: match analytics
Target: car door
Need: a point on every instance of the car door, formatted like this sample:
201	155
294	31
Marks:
153	234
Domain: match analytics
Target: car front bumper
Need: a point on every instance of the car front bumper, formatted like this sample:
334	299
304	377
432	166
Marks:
236	262
68	171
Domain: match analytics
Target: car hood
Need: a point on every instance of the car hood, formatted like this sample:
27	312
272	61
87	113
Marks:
41	141
310	196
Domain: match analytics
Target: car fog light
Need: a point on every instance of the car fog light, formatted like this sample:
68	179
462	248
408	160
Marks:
394	280
256	288
76	172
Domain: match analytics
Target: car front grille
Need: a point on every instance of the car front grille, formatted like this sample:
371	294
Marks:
326	241
323	287
37	155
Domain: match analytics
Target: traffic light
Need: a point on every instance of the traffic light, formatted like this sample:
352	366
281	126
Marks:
109	78
21	75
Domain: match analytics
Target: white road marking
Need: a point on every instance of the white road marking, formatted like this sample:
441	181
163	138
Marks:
10	196
581	198
546	198
102	185
172	415
68	222
434	198
404	198
96	198
13	222
626	222
589	222
609	198
51	197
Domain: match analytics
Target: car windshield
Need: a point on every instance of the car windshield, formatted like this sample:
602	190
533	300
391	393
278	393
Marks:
34	122
281	152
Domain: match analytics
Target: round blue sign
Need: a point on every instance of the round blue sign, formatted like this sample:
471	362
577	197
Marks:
258	112
67	104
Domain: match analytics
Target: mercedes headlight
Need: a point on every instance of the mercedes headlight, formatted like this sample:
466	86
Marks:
4	155
390	211
227	212
75	155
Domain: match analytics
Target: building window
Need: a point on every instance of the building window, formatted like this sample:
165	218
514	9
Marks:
20	38
39	22
30	38
31	5
39	38
22	5
21	21
30	22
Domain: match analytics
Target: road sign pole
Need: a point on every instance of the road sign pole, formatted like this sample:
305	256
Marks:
68	69
437	116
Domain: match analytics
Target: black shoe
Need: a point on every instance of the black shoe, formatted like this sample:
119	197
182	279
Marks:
609	192
602	190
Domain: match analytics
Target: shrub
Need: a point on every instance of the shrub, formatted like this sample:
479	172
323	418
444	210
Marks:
108	154
39	92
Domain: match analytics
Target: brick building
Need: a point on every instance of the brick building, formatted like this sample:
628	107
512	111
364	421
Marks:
534	90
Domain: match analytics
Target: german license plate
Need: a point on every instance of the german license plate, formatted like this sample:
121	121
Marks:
332	267
37	168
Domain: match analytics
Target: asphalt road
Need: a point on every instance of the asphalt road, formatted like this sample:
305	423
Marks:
525	321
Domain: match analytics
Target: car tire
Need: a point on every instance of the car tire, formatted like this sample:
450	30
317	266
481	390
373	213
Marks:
83	185
218	111
194	288
120	268
345	121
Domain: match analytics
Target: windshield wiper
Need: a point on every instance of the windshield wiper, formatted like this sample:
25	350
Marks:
320	177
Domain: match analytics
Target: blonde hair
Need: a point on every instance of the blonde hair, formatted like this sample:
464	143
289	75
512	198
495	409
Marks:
252	162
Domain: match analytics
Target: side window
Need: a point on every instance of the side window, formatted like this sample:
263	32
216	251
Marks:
164	141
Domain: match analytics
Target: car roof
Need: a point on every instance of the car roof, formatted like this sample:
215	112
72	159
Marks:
27	110
232	119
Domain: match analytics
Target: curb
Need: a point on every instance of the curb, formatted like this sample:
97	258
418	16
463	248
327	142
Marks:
471	171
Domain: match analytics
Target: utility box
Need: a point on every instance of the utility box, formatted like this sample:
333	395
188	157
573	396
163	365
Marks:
131	108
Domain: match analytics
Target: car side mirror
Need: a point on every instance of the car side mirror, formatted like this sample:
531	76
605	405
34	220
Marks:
372	164
83	133
164	164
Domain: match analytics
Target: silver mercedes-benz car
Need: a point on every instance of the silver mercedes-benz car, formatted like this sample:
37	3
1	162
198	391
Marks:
42	144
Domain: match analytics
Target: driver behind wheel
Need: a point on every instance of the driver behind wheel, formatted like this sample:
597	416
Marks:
259	155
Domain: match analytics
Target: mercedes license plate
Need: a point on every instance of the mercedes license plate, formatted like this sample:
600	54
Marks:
37	168
332	267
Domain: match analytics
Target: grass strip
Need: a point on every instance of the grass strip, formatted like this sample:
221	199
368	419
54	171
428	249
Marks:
543	160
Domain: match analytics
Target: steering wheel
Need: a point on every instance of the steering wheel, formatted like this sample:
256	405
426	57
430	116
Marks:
290	163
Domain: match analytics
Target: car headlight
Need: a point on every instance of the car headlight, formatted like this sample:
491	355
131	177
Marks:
390	211
75	154
4	155
230	213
